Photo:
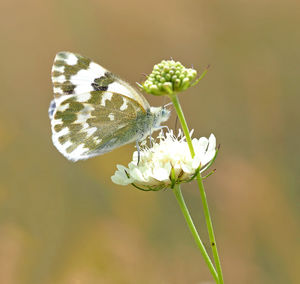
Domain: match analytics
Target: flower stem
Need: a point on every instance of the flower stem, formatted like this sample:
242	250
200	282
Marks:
188	218
183	123
210	228
209	225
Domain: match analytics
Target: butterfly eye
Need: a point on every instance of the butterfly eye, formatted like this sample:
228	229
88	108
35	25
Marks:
165	113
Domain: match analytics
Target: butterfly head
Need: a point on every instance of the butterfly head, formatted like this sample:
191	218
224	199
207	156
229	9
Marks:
160	114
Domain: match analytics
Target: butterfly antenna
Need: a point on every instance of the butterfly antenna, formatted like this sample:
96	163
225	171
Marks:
144	76
168	104
150	138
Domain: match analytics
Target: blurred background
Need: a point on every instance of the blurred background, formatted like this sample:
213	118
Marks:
66	223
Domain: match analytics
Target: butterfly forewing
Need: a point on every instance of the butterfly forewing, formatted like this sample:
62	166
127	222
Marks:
75	74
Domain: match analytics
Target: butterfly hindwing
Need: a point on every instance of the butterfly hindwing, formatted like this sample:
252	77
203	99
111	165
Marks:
93	123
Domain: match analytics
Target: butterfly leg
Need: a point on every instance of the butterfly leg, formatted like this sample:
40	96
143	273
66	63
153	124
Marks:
162	127
150	138
139	152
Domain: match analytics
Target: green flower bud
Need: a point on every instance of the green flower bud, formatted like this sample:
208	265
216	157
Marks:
174	77
169	77
167	87
162	79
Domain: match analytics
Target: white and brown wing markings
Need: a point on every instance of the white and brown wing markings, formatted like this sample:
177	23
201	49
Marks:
82	129
93	110
75	74
122	87
65	66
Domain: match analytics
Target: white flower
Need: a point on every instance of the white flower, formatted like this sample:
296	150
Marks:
167	161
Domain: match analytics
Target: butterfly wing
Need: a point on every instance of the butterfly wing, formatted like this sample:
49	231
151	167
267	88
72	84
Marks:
93	110
94	123
73	74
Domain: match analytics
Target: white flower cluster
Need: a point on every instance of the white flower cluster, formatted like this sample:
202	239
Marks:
168	160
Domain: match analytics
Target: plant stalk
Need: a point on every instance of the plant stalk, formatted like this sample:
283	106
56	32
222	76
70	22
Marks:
208	220
190	223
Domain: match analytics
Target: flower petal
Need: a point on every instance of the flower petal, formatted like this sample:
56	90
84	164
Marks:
167	152
120	176
212	142
161	174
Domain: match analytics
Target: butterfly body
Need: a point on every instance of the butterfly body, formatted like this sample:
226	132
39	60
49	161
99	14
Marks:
94	111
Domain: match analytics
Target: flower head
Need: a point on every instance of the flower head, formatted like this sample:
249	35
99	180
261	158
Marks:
169	77
167	162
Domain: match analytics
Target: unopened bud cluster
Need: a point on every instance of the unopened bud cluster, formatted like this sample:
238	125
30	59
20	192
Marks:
169	77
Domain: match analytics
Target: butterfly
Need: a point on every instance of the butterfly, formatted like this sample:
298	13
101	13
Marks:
94	111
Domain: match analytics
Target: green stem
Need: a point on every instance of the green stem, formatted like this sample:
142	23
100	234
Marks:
210	228
209	225
188	219
184	126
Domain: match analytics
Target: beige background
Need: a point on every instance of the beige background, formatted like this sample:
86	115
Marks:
62	222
